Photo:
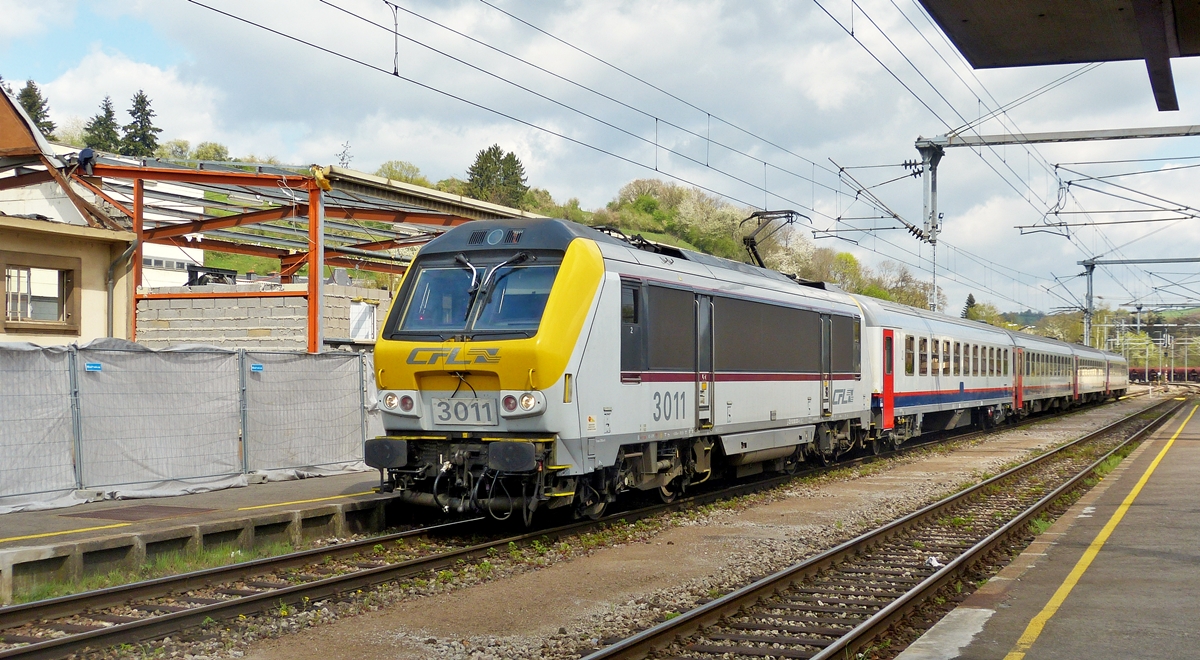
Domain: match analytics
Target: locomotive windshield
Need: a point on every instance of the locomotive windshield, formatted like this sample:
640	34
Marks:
505	298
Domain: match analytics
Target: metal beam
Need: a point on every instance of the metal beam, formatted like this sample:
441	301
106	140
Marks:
209	177
201	226
953	140
1118	262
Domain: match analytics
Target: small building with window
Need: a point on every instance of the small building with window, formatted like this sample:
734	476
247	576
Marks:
65	269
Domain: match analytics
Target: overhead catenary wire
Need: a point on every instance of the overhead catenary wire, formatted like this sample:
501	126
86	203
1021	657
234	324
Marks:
707	137
467	101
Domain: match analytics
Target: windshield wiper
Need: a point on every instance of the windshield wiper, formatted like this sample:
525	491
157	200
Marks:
520	257
462	260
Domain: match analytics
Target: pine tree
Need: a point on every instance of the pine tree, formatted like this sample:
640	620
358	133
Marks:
37	107
497	177
7	87
100	132
966	313
512	180
141	135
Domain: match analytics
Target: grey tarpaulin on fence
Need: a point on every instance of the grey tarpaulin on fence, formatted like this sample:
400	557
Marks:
36	434
303	410
157	416
133	422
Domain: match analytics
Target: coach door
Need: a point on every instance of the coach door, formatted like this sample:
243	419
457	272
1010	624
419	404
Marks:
1018	378
826	366
1075	376
704	362
889	379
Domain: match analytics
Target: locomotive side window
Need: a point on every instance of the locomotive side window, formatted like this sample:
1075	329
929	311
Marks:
633	345
924	356
753	336
946	357
672	333
629	304
909	356
957	358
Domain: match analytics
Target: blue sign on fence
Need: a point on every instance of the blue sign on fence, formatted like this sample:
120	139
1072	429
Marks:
92	366
256	367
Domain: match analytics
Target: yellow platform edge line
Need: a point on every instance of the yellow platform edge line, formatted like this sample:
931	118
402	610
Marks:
68	531
1035	627
315	499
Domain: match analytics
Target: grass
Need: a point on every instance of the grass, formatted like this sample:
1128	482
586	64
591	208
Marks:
173	563
1039	525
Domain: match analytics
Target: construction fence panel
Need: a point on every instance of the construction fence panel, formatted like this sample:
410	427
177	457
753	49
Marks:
154	416
303	410
36	421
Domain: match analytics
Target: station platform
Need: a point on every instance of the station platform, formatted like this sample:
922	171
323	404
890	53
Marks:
1115	577
97	537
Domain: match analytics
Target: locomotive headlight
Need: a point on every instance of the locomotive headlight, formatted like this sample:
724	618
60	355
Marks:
390	401
528	401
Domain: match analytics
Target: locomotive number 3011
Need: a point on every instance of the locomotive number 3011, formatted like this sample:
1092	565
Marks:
670	405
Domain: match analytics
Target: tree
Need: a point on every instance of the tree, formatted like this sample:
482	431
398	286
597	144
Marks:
100	133
402	170
497	177
211	151
5	86
174	149
966	313
37	107
141	135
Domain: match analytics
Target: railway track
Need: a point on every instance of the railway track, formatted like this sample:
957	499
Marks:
837	603
157	608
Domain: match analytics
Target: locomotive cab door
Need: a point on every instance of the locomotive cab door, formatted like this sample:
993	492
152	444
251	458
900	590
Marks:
826	366
889	380
704	362
1018	378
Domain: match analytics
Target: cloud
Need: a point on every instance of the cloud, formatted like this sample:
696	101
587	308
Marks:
783	71
184	109
29	19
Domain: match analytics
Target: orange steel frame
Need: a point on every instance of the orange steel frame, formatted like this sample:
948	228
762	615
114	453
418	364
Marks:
290	263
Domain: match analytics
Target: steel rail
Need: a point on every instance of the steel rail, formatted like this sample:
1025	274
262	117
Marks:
709	614
165	624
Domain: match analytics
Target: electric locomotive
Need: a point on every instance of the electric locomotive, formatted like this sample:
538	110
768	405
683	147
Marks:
538	363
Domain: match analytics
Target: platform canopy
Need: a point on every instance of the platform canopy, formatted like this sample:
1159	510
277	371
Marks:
1013	33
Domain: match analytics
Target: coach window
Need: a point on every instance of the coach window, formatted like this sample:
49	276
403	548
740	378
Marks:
1006	362
909	357
973	368
924	356
856	363
946	358
957	358
935	360
992	361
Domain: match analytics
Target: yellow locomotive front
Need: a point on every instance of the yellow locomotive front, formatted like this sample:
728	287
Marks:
473	364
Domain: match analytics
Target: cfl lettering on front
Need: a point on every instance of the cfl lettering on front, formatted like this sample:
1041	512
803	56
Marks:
454	356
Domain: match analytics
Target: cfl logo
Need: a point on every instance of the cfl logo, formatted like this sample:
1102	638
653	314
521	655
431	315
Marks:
843	396
452	356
